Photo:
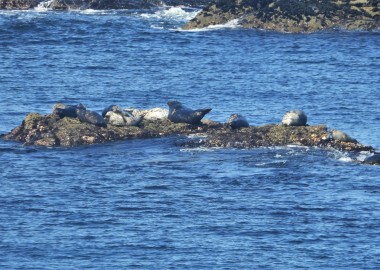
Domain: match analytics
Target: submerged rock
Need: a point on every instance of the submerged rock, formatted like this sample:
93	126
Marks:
373	159
293	16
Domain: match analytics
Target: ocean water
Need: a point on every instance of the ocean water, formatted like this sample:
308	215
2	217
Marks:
154	204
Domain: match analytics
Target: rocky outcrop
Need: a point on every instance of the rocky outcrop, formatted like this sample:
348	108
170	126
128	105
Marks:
97	4
52	130
18	4
293	16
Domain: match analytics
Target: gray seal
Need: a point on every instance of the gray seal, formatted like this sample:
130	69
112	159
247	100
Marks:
294	118
338	135
63	110
181	114
91	117
237	121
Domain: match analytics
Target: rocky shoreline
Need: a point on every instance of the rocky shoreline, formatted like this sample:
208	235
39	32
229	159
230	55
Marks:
71	126
97	4
292	16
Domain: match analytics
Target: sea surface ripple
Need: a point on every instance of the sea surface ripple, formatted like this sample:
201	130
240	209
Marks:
154	204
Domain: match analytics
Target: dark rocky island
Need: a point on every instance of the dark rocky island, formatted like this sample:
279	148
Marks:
294	16
55	130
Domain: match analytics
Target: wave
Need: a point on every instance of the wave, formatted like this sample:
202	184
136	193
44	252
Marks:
44	6
229	25
172	13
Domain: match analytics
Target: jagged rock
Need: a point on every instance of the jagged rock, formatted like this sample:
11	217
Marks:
291	15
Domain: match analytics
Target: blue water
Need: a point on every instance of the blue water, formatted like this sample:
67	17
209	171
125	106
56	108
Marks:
154	204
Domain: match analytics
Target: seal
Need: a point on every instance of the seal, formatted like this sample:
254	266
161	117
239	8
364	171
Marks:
118	118
181	114
237	121
110	108
338	135
373	160
294	118
63	110
91	117
150	114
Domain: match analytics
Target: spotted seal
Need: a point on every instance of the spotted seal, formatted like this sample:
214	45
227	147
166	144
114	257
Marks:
338	135
294	118
91	117
118	118
181	114
150	114
237	121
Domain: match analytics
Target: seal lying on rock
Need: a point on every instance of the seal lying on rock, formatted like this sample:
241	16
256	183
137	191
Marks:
338	135
151	114
63	110
181	114
91	117
294	118
118	118
237	121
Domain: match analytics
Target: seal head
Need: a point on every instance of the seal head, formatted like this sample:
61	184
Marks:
181	114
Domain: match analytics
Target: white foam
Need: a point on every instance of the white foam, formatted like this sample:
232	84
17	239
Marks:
229	25
44	6
172	13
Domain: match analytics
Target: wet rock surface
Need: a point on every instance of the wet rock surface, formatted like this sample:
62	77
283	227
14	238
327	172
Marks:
53	131
293	16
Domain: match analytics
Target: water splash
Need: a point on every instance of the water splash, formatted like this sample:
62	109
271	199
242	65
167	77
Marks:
44	6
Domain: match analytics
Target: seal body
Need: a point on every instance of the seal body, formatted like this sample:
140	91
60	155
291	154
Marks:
63	110
91	117
181	114
237	121
150	114
294	118
118	118
338	135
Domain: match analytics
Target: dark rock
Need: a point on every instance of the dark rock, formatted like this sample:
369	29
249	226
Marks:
373	160
291	15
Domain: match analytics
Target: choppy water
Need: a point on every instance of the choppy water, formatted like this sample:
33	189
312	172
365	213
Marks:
152	204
